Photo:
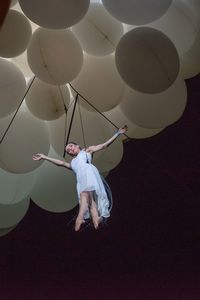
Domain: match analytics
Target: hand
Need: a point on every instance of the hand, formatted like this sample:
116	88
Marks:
122	129
38	156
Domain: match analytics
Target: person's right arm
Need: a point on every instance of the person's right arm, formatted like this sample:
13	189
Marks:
55	161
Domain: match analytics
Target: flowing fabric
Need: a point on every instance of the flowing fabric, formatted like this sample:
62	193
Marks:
89	179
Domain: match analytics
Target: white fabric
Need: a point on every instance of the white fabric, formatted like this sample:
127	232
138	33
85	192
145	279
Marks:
89	179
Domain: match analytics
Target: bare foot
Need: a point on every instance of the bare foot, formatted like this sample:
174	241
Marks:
96	221
78	224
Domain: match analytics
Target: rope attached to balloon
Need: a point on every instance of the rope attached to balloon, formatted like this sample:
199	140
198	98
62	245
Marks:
17	109
65	108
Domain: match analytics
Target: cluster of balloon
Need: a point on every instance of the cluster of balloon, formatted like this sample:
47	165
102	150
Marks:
127	60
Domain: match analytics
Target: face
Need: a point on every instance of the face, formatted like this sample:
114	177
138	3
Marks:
72	149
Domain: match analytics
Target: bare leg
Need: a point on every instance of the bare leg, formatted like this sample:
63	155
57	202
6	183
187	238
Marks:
96	219
83	206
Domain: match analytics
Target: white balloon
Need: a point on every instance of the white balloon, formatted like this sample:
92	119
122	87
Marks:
190	61
98	31
157	110
15	34
55	56
12	87
12	214
117	116
180	25
137	12
13	3
99	82
26	136
110	157
5	231
147	60
55	14
22	63
15	187
47	102
55	188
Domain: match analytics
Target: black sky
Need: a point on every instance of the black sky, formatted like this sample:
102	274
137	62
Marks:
150	249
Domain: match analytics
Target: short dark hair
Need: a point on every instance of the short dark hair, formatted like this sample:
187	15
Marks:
71	143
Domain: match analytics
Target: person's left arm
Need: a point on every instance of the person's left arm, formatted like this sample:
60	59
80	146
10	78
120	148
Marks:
95	148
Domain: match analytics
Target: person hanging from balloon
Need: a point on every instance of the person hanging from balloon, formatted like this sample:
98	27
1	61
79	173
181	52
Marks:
93	198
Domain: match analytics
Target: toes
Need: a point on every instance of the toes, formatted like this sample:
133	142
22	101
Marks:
78	224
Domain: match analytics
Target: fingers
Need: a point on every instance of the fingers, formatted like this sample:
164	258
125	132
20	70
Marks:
37	156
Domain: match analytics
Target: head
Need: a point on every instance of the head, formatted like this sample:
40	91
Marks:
72	148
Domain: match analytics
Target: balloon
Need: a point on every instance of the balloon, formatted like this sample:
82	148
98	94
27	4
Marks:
117	116
157	110
98	31
54	56
190	61
22	63
12	86
147	60
47	102
15	34
179	19
15	187
55	188
26	136
12	214
99	82
13	3
110	157
5	231
55	14
137	12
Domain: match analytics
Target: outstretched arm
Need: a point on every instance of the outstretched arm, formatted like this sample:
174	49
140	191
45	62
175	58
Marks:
55	161
99	147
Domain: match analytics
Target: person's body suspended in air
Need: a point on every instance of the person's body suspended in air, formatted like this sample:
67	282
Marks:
93	199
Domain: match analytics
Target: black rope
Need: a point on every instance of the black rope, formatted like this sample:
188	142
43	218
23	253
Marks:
17	110
97	110
82	129
70	125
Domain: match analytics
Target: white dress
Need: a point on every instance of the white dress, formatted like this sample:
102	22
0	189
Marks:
89	179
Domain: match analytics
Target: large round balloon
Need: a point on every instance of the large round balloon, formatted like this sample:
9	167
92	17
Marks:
137	12
158	110
4	231
55	14
55	188
12	214
110	157
180	24
147	60
190	61
22	63
12	87
117	116
26	136
15	187
55	56
47	102
15	34
98	31
99	82
13	3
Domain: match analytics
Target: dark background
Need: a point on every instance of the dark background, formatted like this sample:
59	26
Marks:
150	249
